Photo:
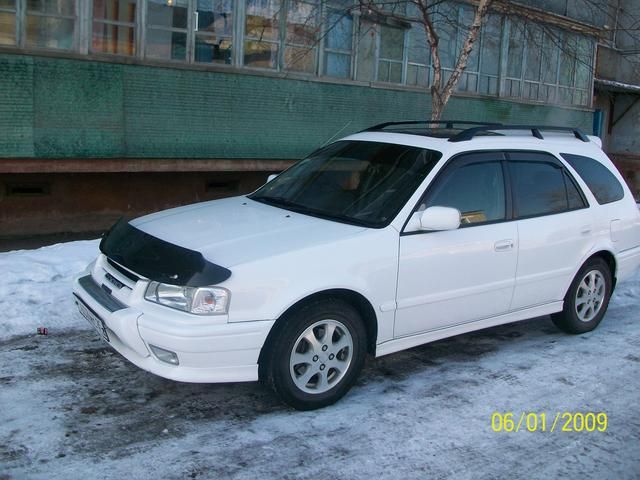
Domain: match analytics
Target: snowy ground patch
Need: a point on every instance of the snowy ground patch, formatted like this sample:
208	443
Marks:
35	287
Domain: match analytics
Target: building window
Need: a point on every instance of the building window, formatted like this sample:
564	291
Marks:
391	53
418	57
214	31
167	24
113	28
548	65
338	42
51	24
300	51
7	22
262	33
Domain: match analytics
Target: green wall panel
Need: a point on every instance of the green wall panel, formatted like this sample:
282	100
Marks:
73	108
16	106
78	109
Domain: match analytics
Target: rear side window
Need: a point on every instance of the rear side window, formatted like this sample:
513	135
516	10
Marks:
542	188
602	183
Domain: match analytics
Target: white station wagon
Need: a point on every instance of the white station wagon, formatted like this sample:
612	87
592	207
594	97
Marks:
396	236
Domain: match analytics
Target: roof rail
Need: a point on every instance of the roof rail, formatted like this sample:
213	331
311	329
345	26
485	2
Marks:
535	130
447	123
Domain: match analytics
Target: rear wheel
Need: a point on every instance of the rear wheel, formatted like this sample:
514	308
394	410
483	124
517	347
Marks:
316	354
587	300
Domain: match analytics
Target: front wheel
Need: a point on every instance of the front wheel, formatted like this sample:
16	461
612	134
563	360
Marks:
316	354
587	300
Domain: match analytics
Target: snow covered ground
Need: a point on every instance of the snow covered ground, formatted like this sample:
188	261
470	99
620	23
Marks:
70	407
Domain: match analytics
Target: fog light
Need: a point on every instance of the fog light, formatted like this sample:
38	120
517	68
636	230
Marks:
163	355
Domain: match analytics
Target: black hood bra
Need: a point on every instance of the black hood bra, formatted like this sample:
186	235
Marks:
159	260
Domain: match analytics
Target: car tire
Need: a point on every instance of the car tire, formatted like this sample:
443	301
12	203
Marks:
315	354
587	299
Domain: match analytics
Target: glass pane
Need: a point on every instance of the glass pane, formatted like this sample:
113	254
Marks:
353	181
446	23
488	85
418	46
166	44
167	14
395	73
416	75
7	28
210	49
466	19
260	54
491	45
49	32
215	16
366	51
302	23
300	59
339	28
115	10
383	71
8	4
262	19
113	39
391	43
476	190
584	63
516	48
550	52
59	7
568	60
534	44
573	193
604	186
538	188
337	65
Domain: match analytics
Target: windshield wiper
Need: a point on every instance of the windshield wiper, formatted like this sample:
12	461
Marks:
296	207
277	201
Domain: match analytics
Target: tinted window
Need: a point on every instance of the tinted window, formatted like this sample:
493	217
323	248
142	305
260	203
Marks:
602	183
574	197
365	183
539	188
477	190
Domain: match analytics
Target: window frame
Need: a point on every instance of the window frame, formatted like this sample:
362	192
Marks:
460	160
551	159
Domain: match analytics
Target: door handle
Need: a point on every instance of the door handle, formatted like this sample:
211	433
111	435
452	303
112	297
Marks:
503	245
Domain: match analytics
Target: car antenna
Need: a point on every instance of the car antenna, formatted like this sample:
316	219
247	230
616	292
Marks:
337	133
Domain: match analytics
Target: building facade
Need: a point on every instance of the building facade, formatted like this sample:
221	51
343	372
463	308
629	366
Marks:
121	107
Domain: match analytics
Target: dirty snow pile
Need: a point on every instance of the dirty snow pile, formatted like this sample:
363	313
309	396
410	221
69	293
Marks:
35	288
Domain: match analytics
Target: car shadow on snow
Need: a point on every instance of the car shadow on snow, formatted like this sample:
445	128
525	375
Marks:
110	407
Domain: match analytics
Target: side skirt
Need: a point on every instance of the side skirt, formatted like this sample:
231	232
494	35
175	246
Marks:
404	343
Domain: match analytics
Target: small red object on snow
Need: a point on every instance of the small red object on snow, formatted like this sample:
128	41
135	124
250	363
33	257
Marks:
43	331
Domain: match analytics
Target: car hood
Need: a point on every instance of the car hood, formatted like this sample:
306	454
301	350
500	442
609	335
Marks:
237	230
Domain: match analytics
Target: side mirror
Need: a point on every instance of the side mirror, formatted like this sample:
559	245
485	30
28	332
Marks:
435	219
272	176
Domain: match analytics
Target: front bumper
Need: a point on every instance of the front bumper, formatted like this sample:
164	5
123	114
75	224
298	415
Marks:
209	349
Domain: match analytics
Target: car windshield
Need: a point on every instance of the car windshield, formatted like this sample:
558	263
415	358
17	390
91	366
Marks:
357	182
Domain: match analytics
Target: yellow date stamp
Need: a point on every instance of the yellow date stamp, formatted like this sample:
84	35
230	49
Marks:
542	422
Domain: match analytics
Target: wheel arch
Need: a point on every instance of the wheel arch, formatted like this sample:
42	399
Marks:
355	299
606	255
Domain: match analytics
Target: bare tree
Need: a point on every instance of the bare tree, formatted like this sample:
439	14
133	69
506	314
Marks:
440	90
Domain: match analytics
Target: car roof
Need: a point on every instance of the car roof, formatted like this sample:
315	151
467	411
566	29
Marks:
498	140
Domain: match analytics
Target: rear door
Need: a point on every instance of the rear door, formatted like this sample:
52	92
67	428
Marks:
555	227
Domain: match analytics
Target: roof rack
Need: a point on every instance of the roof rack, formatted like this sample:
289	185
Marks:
535	130
447	123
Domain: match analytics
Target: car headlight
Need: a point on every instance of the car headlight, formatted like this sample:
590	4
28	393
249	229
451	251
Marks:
198	300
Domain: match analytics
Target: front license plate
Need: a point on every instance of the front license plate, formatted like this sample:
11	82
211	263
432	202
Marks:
93	319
